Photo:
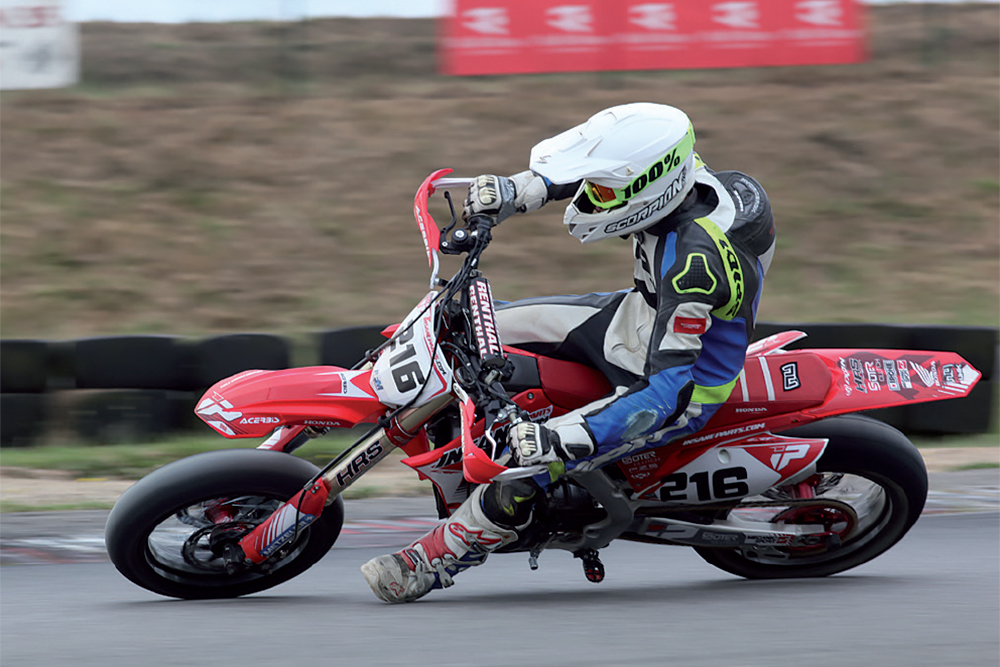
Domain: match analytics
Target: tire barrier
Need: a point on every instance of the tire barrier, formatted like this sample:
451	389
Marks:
25	366
222	356
132	362
124	416
142	387
118	416
24	419
346	347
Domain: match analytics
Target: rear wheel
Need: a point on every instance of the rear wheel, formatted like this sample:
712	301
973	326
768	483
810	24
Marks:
168	532
876	483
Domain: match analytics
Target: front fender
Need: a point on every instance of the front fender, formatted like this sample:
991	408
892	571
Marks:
254	403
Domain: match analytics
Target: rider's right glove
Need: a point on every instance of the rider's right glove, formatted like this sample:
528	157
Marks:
503	197
532	443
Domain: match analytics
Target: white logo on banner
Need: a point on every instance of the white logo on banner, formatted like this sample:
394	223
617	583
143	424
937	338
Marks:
739	14
820	12
571	18
653	16
487	20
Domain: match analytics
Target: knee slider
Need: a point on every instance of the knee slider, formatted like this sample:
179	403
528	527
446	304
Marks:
511	503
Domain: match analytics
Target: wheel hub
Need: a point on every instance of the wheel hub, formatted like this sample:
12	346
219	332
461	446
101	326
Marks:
210	548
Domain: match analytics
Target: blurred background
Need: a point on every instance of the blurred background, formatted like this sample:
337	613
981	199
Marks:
201	170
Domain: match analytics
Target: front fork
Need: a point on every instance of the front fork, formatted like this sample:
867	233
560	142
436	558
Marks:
284	525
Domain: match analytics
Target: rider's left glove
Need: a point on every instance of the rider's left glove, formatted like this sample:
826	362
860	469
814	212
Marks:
532	444
502	197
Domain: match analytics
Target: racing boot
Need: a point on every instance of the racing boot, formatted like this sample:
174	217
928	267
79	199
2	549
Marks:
460	542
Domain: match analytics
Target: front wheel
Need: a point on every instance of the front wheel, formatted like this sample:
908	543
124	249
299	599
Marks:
869	469
167	533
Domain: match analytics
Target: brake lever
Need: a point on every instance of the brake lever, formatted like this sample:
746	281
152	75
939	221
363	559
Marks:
460	240
454	216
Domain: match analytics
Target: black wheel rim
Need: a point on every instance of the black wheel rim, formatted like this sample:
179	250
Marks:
186	545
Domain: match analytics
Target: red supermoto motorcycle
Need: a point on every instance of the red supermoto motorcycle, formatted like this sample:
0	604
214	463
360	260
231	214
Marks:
782	482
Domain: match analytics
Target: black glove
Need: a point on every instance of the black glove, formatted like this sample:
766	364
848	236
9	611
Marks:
490	195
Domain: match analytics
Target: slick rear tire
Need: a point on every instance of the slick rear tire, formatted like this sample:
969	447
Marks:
156	532
864	448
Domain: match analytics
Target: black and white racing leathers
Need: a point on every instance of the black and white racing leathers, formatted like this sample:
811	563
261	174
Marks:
673	345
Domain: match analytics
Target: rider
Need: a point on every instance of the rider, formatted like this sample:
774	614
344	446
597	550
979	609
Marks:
672	346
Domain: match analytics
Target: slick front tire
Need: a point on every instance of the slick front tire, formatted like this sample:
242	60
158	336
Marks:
167	532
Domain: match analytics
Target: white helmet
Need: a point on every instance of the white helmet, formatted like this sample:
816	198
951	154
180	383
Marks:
636	162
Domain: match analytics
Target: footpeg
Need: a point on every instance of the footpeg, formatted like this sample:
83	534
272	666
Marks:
593	568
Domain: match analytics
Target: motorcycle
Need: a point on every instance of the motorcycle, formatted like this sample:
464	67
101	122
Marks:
784	481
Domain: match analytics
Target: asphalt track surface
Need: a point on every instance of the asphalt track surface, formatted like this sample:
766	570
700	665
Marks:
933	600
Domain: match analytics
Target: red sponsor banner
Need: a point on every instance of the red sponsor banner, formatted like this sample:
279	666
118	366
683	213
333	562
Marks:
525	36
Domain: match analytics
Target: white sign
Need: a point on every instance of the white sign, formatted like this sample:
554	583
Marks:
39	46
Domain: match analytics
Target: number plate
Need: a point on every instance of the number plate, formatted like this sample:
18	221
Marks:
412	367
727	471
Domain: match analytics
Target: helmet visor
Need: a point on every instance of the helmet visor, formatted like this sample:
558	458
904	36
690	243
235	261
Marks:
605	198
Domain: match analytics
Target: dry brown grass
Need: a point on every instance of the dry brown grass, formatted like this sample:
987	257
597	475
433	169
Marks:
212	178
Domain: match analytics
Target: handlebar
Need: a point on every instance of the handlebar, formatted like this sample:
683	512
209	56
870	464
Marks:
473	238
467	304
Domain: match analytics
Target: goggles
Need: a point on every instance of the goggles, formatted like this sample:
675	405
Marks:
605	198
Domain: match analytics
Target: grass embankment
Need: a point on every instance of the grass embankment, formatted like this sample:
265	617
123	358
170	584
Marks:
259	177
